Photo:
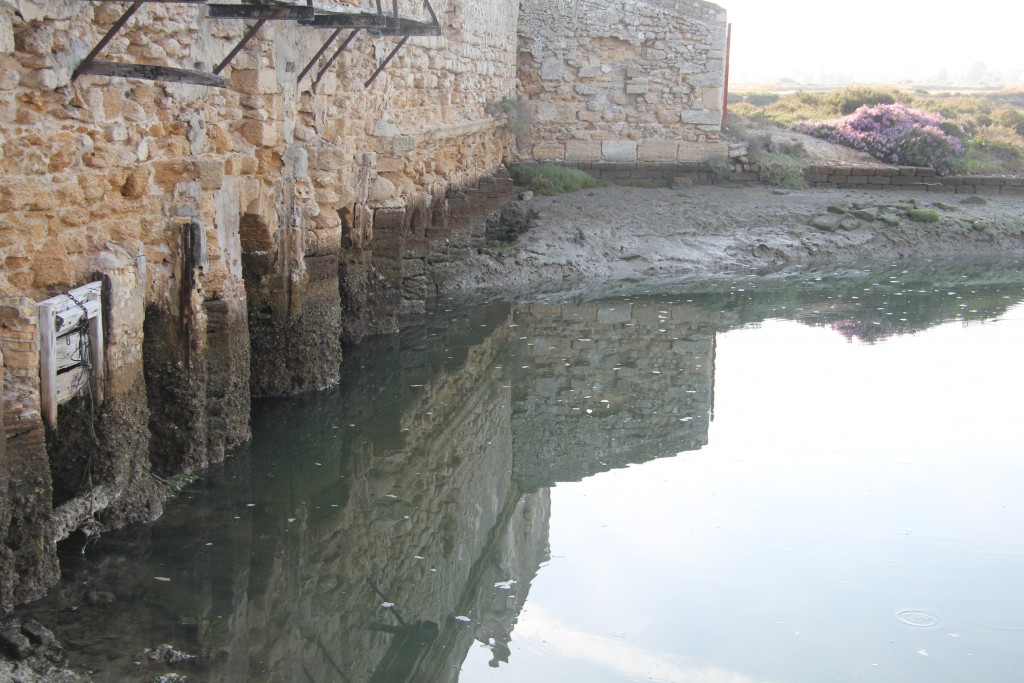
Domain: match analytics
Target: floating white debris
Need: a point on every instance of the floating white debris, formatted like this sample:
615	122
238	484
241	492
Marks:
387	605
589	411
291	519
463	618
161	578
505	585
923	653
250	505
418	557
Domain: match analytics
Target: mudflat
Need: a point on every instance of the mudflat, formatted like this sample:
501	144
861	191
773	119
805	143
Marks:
627	233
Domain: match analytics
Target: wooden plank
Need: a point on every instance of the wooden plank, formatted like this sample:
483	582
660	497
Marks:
68	318
407	29
97	351
346	20
148	72
69	384
285	12
68	350
47	364
68	312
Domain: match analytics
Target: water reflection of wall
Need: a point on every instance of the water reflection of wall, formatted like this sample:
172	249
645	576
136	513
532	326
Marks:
604	384
376	532
430	522
345	543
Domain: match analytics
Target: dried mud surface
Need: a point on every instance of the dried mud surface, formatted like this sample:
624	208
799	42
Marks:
617	234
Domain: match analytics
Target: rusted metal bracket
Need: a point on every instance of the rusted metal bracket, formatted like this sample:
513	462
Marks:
261	13
385	62
380	23
320	53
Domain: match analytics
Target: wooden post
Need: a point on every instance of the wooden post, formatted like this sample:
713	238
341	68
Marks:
96	350
48	363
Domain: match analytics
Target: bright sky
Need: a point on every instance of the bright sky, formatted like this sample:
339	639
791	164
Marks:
873	40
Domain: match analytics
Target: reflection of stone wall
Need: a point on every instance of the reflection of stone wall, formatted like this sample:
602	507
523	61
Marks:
602	385
398	482
428	516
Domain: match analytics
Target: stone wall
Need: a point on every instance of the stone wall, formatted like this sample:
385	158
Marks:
910	178
219	220
621	80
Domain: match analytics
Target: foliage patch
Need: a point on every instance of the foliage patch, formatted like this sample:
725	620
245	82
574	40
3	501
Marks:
551	179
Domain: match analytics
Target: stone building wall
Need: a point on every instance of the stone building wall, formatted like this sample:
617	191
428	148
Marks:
242	233
621	80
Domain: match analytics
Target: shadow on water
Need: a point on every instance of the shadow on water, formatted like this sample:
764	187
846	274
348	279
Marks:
376	531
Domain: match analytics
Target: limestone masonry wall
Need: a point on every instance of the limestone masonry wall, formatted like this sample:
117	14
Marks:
622	80
219	221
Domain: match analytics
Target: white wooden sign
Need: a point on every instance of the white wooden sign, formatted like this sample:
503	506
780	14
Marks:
70	347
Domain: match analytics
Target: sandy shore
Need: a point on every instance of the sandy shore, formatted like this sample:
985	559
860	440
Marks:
618	234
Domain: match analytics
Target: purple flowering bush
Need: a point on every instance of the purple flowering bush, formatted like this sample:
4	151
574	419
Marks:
895	134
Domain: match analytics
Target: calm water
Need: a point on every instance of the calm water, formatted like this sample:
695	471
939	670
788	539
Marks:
808	480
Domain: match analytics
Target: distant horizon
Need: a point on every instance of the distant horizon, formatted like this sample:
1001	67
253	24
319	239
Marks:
878	41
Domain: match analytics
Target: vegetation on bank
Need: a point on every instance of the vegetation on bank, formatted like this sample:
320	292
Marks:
551	179
980	133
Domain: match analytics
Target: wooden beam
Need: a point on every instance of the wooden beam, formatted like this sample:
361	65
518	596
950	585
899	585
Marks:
148	72
347	20
406	30
283	12
47	364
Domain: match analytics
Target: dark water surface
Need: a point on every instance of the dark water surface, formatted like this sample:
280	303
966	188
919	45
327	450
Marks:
817	479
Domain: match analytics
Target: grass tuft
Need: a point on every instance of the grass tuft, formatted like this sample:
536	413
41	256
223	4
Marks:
551	179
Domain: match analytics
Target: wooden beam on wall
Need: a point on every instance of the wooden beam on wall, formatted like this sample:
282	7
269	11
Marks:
149	72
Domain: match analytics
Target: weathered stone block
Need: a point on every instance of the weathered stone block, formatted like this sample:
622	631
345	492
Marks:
618	150
240	166
547	151
552	69
261	133
583	150
657	151
255	81
209	173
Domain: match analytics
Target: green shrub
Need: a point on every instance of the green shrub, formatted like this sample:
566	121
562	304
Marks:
550	179
993	151
779	170
720	167
851	99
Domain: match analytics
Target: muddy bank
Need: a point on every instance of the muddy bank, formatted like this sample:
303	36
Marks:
616	234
